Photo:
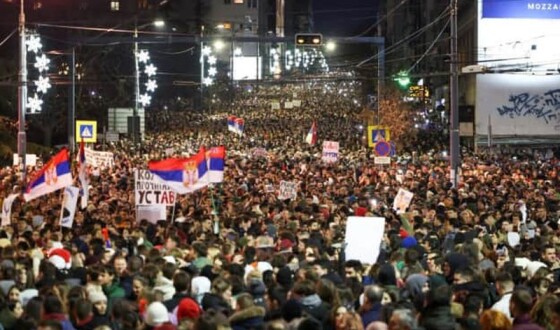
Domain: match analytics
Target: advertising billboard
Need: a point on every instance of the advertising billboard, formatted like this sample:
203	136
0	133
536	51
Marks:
517	105
519	35
549	9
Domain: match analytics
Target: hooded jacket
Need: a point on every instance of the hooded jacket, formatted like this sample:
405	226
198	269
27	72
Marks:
249	318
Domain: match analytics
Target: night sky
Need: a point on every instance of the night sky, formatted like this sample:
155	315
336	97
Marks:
344	17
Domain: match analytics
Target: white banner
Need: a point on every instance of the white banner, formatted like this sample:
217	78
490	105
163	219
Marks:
30	160
101	159
287	190
150	191
296	103
363	238
7	210
517	105
402	200
69	202
330	151
152	213
288	105
275	105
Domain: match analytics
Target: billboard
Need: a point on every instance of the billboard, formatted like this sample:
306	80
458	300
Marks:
518	105
519	35
247	67
521	9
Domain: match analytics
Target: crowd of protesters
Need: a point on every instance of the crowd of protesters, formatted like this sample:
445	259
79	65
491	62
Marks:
482	255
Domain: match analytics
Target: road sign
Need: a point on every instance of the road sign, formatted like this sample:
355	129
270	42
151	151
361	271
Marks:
86	130
382	148
377	134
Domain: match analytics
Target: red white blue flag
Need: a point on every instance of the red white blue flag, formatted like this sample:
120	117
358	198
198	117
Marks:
53	176
184	175
216	159
311	137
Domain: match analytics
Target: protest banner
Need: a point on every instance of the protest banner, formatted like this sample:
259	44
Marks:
275	105
152	213
30	160
363	238
402	200
7	209
296	103
150	191
288	105
69	202
330	151
101	159
287	190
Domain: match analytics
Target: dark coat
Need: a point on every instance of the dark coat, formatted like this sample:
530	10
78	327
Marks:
248	319
371	315
438	318
524	322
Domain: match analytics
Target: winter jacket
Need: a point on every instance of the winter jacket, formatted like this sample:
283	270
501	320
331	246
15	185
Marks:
371	315
248	319
524	322
438	318
64	321
165	285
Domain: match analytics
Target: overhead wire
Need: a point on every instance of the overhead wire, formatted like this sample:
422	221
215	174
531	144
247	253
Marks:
430	47
408	38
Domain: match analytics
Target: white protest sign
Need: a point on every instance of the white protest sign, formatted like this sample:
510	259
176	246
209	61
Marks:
152	213
296	103
402	200
288	190
363	238
330	151
7	209
69	202
99	158
269	188
30	160
169	152
275	105
150	191
259	152
382	160
288	105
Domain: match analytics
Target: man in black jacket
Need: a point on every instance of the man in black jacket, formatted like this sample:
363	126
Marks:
182	284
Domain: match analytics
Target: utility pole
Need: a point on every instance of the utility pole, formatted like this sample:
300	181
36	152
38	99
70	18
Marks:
454	100
135	129
22	96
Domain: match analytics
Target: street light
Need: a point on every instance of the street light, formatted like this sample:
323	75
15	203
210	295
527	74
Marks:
22	94
137	99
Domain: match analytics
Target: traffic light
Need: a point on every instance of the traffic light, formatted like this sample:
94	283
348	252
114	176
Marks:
403	79
309	39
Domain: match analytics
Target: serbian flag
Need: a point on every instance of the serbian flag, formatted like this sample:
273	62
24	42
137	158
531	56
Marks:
82	175
239	126
311	137
231	123
216	157
54	175
184	175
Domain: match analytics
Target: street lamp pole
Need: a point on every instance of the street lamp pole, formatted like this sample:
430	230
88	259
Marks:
454	100
136	88
22	94
202	68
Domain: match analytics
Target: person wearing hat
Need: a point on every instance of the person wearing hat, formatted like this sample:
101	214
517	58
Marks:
99	302
157	317
188	310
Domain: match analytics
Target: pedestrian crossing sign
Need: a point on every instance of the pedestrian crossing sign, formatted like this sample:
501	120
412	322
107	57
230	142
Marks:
378	134
86	130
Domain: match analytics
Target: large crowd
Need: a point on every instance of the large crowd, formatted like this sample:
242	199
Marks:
481	255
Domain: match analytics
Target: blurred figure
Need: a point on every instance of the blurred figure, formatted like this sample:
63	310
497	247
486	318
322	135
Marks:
494	320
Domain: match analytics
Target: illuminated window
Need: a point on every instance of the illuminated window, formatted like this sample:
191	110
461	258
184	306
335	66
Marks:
238	2
115	5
